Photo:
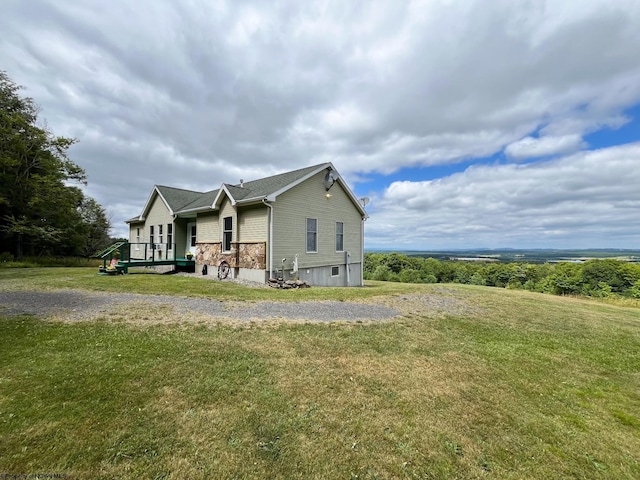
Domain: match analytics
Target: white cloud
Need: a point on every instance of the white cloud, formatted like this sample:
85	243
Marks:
585	198
161	92
530	147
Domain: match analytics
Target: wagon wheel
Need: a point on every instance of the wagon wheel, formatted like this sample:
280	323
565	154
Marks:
223	270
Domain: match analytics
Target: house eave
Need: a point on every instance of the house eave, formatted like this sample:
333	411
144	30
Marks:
252	200
206	208
272	196
147	205
223	188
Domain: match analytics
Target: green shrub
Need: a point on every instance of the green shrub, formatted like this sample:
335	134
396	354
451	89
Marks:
410	276
381	273
430	279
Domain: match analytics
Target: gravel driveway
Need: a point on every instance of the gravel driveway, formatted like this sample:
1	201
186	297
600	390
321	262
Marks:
74	305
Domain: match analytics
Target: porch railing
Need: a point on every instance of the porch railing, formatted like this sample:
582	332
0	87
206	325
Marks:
152	251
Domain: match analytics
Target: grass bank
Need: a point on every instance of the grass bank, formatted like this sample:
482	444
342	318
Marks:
157	284
528	386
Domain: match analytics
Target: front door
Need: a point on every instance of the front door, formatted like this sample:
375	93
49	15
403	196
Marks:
191	237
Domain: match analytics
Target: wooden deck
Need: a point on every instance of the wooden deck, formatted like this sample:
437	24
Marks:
119	257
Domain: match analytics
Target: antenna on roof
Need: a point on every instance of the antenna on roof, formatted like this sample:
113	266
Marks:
241	183
364	201
329	180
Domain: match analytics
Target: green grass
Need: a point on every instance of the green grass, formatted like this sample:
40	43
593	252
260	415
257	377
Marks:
529	386
157	284
7	261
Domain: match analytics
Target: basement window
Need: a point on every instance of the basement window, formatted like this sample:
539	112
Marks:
335	271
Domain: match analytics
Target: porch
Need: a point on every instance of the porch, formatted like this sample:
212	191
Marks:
121	256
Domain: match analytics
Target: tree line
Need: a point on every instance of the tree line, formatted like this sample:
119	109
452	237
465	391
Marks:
43	210
594	278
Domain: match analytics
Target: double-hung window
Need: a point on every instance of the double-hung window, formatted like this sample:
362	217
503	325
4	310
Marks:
312	235
339	236
169	236
151	235
160	234
138	238
227	233
192	236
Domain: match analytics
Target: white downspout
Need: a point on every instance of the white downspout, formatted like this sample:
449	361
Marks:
364	219
264	200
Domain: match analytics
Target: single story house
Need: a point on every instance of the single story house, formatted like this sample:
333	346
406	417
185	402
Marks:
305	224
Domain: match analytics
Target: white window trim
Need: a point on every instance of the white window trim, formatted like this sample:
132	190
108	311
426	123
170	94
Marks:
337	274
224	232
193	239
306	236
336	237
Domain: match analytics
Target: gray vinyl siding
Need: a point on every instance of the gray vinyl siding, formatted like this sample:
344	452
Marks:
133	227
208	228
158	215
308	200
180	237
253	224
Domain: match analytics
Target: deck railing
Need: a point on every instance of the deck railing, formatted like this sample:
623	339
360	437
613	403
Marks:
152	251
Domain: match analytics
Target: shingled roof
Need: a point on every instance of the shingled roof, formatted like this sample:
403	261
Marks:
264	187
182	201
178	198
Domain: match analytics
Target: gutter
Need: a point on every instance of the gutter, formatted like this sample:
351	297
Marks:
364	219
264	200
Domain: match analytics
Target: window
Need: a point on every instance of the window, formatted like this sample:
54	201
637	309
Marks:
312	235
227	232
339	236
169	236
193	236
151	234
335	271
160	234
138	238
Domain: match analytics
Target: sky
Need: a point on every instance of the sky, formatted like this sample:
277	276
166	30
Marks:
468	123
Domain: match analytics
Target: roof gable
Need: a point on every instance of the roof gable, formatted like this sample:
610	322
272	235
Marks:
179	200
264	187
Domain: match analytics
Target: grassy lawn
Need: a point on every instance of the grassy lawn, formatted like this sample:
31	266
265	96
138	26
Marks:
524	386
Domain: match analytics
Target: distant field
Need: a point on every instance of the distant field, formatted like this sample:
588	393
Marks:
529	256
470	382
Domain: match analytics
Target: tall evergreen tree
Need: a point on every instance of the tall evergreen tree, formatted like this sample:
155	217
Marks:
40	213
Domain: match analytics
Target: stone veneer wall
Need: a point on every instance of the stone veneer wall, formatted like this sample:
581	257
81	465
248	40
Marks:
242	255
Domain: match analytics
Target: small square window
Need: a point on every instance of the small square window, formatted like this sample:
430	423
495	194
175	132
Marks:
335	271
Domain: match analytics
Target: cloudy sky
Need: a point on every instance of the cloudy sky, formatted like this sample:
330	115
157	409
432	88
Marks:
488	123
